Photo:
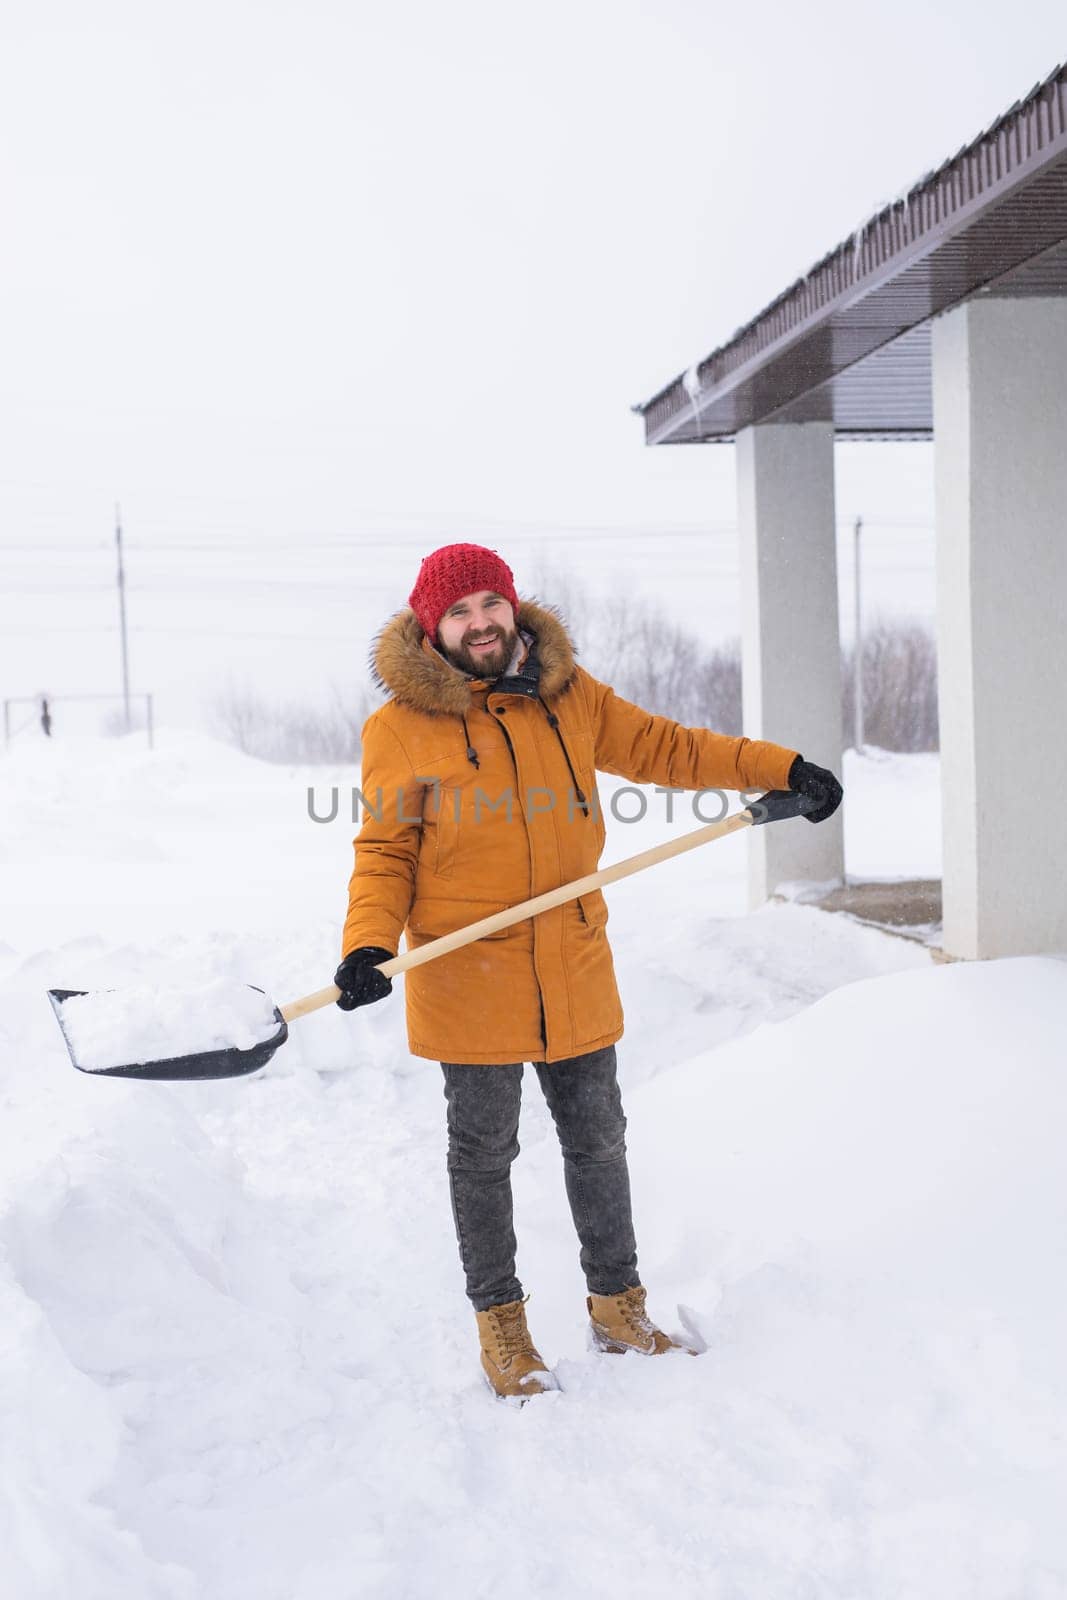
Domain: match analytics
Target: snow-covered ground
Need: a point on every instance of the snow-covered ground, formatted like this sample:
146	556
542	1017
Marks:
236	1356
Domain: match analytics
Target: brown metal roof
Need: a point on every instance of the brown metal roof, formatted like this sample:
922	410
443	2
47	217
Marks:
850	342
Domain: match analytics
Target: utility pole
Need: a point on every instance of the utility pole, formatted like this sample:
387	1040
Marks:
122	617
857	650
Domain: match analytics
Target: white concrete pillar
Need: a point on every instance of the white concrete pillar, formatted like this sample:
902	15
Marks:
1000	454
791	647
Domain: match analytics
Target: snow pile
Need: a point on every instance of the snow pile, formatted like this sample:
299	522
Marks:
117	1027
251	1289
142	1303
60	1445
237	1358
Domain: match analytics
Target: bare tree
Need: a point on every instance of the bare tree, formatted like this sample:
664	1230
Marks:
899	686
628	642
293	732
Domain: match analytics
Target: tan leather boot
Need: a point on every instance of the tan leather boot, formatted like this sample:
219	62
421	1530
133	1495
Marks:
619	1322
509	1358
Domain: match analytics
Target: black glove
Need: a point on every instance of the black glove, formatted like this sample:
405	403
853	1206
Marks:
359	981
817	784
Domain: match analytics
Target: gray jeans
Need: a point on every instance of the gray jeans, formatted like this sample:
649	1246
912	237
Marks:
483	1120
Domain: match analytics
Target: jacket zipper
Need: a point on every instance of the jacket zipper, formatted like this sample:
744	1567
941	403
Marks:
537	976
553	722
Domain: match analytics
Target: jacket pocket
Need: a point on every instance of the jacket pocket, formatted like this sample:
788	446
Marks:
593	908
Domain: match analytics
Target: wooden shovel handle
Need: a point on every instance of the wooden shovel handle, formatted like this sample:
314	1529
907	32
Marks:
531	908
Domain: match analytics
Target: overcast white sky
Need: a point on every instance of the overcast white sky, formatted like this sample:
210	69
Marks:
280	266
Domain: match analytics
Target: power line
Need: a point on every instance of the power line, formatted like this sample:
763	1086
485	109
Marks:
223	631
357	544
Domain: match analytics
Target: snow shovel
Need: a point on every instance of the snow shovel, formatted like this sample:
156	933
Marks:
233	1062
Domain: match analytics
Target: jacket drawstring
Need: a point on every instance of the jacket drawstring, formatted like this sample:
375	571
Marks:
553	722
472	754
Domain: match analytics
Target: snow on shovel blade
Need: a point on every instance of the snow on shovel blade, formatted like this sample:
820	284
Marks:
226	1063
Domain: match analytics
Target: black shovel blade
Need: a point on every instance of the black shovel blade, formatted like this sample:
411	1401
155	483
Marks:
232	1063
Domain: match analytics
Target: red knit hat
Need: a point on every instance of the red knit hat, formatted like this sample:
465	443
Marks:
453	571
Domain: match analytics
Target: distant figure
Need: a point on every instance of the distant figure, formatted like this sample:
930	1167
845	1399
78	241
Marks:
46	718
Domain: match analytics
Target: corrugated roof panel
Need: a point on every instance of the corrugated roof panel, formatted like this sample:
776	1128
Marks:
994	217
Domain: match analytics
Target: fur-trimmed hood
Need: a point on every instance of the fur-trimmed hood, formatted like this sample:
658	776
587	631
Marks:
406	666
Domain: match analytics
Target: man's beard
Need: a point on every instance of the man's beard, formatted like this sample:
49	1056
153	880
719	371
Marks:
487	663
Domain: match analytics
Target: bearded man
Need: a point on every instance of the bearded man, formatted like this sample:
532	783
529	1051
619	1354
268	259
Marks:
479	778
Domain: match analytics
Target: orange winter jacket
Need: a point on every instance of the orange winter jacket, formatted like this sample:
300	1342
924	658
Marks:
479	795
